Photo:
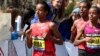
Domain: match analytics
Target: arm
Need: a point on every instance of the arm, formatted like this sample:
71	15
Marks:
73	33
56	35
29	38
77	38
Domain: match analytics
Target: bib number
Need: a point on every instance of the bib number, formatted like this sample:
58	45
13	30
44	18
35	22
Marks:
38	44
95	43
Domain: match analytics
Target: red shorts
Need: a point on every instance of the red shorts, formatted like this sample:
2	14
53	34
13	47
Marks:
43	53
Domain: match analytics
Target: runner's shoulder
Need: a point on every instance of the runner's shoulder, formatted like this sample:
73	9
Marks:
52	24
77	21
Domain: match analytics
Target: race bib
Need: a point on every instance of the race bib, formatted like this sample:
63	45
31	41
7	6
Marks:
95	43
38	44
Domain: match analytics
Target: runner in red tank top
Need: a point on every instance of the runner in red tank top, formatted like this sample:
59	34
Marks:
44	34
79	25
84	7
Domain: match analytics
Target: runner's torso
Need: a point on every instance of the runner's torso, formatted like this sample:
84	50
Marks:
39	33
95	34
80	25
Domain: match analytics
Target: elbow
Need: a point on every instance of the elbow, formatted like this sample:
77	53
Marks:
72	40
59	42
75	43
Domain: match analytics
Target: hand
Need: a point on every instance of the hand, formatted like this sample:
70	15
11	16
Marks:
88	39
22	32
28	32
